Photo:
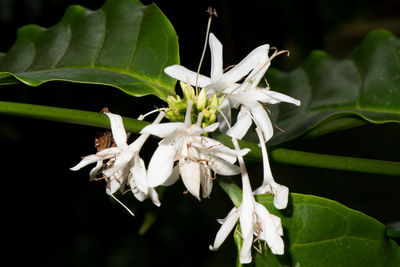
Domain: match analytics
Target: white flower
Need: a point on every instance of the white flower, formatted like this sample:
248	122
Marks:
254	219
251	100
197	156
220	80
280	192
122	164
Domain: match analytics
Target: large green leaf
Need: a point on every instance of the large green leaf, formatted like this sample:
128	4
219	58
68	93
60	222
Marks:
338	94
123	44
322	232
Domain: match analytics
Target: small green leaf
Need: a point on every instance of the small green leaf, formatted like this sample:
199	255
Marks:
322	232
363	87
123	44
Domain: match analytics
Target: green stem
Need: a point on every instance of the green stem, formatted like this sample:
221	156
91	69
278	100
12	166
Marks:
279	155
66	115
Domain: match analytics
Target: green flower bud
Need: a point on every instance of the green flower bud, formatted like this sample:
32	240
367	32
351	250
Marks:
188	91
201	99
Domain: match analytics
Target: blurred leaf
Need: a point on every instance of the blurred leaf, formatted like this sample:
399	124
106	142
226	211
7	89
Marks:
124	44
339	94
322	232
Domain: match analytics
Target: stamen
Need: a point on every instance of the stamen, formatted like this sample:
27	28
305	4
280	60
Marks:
211	12
122	204
141	117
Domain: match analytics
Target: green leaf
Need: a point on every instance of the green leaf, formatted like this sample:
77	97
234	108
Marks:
123	44
339	94
322	232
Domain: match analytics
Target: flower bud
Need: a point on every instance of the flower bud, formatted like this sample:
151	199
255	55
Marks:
188	91
201	99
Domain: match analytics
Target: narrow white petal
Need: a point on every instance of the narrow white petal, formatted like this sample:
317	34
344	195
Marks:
223	167
281	196
95	170
211	128
228	223
154	197
183	74
224	116
163	130
161	164
139	174
216	57
173	178
242	124
271	231
247	64
206	180
263	121
258	72
190	172
275	97
86	161
118	129
247	226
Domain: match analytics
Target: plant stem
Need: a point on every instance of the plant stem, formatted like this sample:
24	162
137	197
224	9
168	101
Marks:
279	155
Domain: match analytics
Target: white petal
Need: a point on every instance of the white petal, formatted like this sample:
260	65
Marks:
226	117
118	129
242	124
247	227
271	231
86	161
163	130
223	167
275	97
281	195
173	178
161	163
211	128
183	74
139	174
190	172
154	197
121	161
95	170
216	57
226	228
263	121
206	181
247	64
258	72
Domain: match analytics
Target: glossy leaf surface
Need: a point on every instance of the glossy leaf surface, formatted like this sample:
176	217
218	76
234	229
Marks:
123	44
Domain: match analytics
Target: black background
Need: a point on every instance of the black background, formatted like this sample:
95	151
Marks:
55	217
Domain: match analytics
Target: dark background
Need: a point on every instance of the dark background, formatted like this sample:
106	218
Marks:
56	217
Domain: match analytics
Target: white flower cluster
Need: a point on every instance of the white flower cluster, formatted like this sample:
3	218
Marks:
186	151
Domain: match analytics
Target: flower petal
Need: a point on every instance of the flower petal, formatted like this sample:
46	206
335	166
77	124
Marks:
270	230
206	180
154	197
161	163
139	174
183	74
275	97
281	195
190	171
247	64
173	178
247	226
118	129
223	167
216	57
163	130
262	120
228	223
242	124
